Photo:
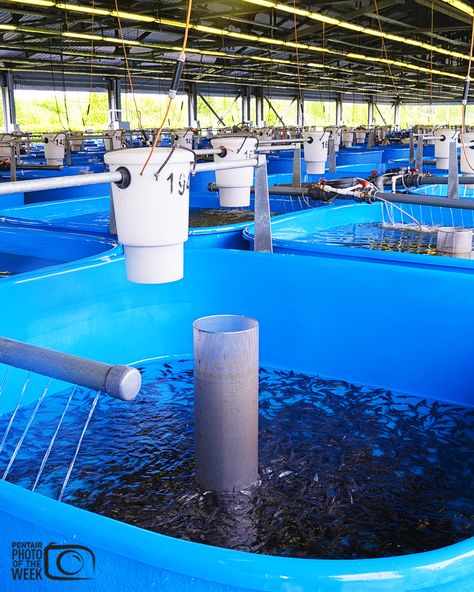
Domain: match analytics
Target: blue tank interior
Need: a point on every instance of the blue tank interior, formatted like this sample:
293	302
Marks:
91	310
26	249
320	315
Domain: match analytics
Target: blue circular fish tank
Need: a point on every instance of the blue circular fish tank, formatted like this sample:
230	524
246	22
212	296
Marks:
304	330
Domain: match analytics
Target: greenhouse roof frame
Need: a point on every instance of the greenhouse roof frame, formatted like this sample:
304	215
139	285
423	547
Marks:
407	50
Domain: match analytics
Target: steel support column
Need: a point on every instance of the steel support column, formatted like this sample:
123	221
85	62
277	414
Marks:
300	110
370	112
396	114
246	104
338	110
259	116
114	93
193	119
8	102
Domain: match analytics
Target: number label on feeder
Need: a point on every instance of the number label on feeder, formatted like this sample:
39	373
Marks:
181	184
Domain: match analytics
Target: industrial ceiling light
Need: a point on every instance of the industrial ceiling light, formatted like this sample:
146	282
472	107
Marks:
322	18
243	36
460	6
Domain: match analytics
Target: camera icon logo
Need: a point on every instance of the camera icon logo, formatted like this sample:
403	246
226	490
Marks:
68	562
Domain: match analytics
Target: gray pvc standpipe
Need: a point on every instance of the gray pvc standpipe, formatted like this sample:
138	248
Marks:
120	382
226	402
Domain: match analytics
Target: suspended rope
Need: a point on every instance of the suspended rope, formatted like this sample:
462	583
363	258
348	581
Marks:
174	83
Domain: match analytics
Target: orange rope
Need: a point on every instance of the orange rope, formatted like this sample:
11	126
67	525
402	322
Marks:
170	99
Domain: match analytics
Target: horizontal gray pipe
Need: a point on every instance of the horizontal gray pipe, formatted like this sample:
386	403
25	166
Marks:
462	180
423	200
407	198
225	165
120	382
38	167
58	182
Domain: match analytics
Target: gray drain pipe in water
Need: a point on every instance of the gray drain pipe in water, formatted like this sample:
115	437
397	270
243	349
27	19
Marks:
226	402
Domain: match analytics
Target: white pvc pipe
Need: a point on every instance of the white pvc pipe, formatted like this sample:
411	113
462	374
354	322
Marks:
58	182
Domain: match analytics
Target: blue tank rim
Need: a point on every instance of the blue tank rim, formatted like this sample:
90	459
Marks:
387	257
235	568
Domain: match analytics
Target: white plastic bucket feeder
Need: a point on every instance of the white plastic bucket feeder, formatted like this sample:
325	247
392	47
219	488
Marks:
234	184
77	141
113	140
152	211
444	136
347	138
315	151
360	135
54	148
467	154
184	138
265	133
5	151
454	240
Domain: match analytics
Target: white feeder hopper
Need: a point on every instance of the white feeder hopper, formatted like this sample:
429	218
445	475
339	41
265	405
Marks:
336	136
184	138
347	138
152	212
360	136
114	140
234	184
443	137
454	240
467	154
5	151
54	148
428	130
315	151
77	141
265	133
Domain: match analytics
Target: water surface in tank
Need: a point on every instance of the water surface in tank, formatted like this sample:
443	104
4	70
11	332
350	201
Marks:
403	238
346	471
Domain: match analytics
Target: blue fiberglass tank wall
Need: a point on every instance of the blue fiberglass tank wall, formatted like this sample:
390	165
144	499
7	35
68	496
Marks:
25	249
369	231
316	315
